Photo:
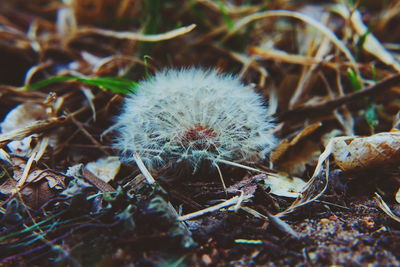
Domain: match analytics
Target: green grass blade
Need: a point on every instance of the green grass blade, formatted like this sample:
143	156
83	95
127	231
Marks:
371	116
354	80
114	84
48	81
227	19
30	228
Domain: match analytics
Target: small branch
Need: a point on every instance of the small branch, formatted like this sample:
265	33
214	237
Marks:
227	203
97	182
326	107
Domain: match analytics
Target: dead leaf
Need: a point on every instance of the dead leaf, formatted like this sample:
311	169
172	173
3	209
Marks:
282	184
21	116
248	185
105	168
352	152
40	184
292	156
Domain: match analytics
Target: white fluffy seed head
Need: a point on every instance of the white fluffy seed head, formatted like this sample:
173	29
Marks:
194	115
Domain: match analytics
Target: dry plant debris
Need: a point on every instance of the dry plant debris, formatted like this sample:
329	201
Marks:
366	152
328	195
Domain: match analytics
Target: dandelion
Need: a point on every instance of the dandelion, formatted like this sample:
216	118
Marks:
194	116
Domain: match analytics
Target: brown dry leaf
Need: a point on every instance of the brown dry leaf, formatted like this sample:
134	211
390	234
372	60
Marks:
40	189
55	180
352	152
291	156
248	186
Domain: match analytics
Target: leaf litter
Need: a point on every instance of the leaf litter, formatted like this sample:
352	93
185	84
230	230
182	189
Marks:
329	195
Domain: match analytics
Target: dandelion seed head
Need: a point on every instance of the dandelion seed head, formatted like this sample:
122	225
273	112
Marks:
192	115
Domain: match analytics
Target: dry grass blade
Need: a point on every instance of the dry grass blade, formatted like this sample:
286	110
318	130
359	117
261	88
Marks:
37	153
138	36
22	93
307	19
37	127
382	204
281	225
27	168
248	63
371	44
227	203
235	164
5	156
308	195
35	69
150	179
289	58
220	176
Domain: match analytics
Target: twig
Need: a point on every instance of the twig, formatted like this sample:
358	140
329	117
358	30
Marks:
97	182
89	135
280	224
326	107
227	203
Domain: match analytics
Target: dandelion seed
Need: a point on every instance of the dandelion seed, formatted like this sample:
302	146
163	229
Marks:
194	115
